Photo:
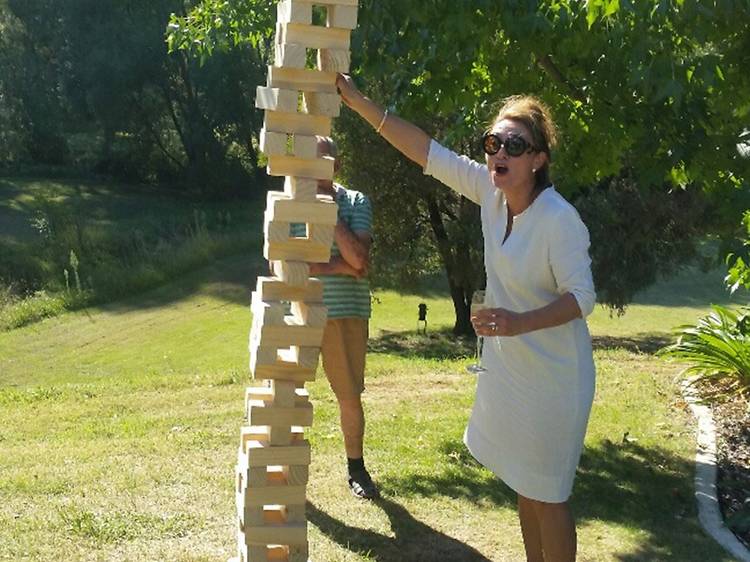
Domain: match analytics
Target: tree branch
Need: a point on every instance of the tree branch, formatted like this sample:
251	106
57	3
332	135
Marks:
545	61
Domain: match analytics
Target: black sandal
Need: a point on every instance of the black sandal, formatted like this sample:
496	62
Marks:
362	486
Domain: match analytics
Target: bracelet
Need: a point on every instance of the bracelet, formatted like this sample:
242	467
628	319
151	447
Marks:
380	127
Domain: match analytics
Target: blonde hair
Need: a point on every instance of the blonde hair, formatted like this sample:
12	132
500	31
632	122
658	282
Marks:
537	118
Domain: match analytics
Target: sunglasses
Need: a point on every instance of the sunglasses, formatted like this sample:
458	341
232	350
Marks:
514	145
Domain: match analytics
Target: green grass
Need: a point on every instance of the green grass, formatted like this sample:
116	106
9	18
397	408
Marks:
119	427
69	243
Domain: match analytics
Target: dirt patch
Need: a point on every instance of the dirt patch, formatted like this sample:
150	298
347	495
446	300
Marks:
732	419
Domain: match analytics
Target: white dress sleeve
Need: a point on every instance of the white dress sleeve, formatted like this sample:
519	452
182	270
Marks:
462	174
570	260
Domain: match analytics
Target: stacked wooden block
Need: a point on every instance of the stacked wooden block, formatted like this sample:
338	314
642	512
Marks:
288	313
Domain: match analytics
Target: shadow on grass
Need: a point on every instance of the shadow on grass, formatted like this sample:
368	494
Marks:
634	487
414	541
440	344
648	343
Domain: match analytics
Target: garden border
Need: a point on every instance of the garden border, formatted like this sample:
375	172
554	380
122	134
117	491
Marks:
709	513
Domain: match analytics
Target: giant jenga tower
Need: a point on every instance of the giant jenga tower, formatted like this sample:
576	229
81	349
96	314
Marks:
288	313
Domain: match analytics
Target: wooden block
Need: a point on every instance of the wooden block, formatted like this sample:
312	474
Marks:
294	513
286	534
271	289
306	356
319	103
344	17
273	143
261	413
249	513
260	454
288	335
304	146
314	36
288	11
283	371
296	249
273	495
334	60
284	394
280	435
289	55
276	231
267	312
301	189
310	314
280	208
297	123
262	433
303	79
276	99
296	475
266	394
336	2
320	168
260	553
321	233
294	274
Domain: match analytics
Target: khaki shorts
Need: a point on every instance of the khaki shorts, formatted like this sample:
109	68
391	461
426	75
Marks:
343	350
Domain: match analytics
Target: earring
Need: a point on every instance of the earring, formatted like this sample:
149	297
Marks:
533	170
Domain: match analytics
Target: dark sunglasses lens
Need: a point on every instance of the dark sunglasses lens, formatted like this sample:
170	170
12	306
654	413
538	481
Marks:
491	144
515	146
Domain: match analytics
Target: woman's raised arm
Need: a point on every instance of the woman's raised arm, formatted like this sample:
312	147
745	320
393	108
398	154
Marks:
409	139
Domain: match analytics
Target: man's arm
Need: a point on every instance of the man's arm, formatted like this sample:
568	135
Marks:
354	246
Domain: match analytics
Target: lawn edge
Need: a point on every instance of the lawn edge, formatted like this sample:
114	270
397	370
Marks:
706	498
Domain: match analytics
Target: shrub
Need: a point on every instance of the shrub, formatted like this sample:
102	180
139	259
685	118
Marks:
717	348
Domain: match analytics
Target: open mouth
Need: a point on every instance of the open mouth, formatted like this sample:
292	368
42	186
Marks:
501	170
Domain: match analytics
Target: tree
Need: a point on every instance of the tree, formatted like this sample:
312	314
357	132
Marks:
651	99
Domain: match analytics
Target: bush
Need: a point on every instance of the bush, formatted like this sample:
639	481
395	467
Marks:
717	349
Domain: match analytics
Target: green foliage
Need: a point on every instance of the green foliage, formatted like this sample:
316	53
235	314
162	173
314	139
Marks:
717	348
739	263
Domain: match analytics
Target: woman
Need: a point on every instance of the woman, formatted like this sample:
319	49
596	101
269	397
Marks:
532	405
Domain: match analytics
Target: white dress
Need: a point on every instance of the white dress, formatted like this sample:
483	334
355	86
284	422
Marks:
532	405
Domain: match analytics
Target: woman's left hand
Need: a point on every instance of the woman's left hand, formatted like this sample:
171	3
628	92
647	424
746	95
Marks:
497	322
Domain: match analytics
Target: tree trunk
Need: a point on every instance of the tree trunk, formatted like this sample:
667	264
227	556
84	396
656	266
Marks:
461	295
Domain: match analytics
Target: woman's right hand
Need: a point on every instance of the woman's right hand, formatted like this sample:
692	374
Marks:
347	89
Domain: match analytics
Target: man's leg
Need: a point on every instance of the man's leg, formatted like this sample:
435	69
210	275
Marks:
352	426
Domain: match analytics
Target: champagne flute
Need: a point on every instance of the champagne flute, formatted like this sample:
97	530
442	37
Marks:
477	303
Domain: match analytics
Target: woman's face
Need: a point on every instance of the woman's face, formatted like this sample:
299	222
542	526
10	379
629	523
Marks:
513	173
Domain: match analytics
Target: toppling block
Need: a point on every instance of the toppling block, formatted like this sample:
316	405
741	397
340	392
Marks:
320	168
313	36
276	99
334	60
302	79
284	144
297	123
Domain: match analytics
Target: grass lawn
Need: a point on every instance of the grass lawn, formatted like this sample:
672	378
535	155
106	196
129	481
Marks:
119	427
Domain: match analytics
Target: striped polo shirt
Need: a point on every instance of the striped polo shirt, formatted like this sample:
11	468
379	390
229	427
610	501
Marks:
345	296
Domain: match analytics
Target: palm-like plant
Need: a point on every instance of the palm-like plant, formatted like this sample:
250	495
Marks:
717	348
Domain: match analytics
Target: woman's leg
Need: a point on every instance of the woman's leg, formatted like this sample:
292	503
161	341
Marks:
557	530
532	537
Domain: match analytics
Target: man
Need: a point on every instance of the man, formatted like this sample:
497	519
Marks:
346	293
